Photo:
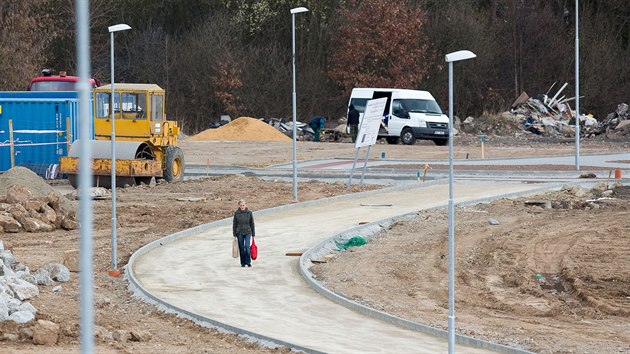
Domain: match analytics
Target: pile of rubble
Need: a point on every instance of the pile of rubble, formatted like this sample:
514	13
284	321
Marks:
28	203
305	133
18	284
17	287
553	116
616	122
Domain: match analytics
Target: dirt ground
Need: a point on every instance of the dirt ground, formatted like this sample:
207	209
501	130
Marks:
498	295
579	248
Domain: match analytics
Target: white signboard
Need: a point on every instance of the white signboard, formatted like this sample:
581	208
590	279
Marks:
368	130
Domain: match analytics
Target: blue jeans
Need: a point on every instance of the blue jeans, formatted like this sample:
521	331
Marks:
244	241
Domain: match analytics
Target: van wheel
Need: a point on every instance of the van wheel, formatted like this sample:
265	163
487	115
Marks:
392	140
440	142
407	137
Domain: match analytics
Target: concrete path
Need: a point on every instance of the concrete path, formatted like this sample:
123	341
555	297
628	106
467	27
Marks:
196	273
612	161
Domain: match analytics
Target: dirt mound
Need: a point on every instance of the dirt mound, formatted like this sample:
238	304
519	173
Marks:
244	129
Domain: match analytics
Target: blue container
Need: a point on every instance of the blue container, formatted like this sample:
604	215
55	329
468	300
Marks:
44	126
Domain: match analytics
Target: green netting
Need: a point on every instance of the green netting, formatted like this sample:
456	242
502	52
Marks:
352	242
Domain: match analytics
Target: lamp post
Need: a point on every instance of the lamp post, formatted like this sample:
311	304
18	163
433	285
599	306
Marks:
577	89
450	59
294	11
112	29
86	281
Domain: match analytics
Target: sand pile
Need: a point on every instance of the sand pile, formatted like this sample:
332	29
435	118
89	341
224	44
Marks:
244	129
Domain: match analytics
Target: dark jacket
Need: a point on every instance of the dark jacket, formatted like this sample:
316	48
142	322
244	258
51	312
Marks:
353	116
243	222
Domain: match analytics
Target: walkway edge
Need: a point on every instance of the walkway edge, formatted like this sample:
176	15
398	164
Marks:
371	230
144	295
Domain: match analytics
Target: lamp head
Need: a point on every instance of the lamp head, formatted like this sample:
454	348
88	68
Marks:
297	10
460	55
120	27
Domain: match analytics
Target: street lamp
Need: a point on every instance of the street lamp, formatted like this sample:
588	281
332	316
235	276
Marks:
294	11
577	89
112	29
450	59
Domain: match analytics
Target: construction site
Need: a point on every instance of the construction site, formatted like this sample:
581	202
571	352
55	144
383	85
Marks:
544	272
373	176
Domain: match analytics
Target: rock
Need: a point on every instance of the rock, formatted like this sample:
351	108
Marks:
61	216
58	272
101	332
22	289
4	270
26	333
17	194
17	210
10	337
8	258
599	187
492	221
29	278
72	330
53	201
57	289
140	336
21	316
35	225
42	277
9	224
27	306
32	204
69	224
20	269
120	335
100	193
9	301
49	214
71	260
45	333
580	193
4	311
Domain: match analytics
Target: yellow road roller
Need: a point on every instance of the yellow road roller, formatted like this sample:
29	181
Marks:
145	142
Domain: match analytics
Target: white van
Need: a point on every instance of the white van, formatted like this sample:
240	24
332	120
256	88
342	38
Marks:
409	115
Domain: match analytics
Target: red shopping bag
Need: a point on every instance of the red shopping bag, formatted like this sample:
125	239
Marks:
254	249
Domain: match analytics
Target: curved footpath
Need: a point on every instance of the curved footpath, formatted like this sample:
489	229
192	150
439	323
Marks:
192	272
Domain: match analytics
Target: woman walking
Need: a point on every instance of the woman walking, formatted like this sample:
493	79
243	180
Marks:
243	229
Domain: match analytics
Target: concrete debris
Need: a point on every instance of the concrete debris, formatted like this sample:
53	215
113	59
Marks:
304	132
58	272
29	204
553	116
17	285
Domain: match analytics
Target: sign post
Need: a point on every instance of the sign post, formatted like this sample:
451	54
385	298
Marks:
368	131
